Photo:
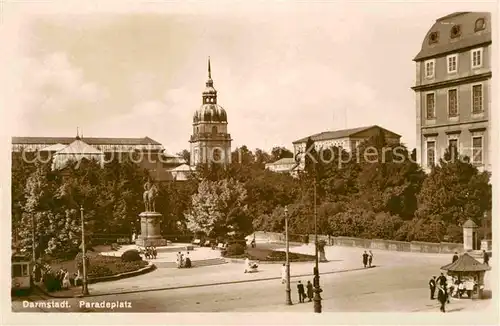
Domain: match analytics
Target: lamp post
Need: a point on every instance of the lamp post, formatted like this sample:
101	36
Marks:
287	264
85	289
317	288
33	236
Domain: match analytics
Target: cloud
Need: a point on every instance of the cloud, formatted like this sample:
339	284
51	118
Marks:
56	91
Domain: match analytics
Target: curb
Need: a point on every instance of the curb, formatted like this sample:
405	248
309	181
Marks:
208	284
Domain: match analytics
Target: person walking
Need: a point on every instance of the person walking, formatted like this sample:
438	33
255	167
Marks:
442	280
365	259
302	293
486	257
455	257
370	259
432	286
442	297
309	290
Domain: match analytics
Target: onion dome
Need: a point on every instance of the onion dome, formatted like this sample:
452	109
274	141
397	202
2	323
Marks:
210	111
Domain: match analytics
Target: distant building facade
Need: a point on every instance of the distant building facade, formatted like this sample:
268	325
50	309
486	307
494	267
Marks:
347	139
284	165
154	158
453	89
210	141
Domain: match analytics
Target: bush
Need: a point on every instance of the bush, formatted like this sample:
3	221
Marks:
99	271
243	242
50	282
234	249
131	255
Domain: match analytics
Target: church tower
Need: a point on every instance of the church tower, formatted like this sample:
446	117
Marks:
210	141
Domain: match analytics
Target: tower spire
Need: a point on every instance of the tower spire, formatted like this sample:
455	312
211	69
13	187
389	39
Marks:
209	69
77	133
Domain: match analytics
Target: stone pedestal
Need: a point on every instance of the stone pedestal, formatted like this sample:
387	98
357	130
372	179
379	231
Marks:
150	230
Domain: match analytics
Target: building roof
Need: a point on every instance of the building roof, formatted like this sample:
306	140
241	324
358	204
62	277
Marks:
53	148
283	161
467	38
326	135
469	224
182	168
89	140
466	263
79	147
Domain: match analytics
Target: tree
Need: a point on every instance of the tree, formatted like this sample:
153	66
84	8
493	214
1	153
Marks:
261	158
37	214
277	153
186	155
217	207
453	192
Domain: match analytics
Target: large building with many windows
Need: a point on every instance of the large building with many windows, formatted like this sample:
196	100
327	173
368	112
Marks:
453	87
161	165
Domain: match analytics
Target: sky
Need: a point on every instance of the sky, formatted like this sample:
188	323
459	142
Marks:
282	71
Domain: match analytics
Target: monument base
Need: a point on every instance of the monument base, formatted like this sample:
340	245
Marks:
151	242
150	230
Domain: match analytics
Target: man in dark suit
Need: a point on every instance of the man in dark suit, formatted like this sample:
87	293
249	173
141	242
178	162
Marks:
442	297
486	257
455	257
365	259
302	293
432	286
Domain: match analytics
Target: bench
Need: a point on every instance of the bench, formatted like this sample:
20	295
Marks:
189	248
221	245
196	241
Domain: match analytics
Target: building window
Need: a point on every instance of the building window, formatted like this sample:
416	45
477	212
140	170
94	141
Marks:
477	98
456	31
452	63
480	25
214	130
433	37
477	58
431	153
430	106
452	103
453	143
429	68
477	150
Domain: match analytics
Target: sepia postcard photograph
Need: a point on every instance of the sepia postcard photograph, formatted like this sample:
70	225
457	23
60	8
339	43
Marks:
250	162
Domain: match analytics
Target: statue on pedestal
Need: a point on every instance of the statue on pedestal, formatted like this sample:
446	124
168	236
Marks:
149	196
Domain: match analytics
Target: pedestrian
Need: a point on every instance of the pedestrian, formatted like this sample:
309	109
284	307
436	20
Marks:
283	274
302	293
309	290
442	280
432	286
365	259
486	257
455	257
370	259
442	297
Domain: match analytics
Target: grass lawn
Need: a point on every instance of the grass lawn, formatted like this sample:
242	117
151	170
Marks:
262	254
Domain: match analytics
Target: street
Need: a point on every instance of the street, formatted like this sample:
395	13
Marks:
398	284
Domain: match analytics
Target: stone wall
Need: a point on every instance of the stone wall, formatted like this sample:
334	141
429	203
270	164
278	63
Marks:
414	246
